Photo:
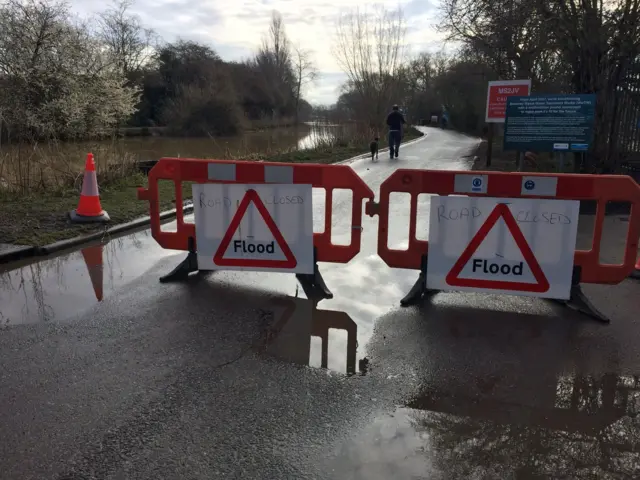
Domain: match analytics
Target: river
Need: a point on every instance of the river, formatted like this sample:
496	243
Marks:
262	142
22	165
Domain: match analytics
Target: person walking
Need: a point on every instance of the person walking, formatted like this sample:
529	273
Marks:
395	121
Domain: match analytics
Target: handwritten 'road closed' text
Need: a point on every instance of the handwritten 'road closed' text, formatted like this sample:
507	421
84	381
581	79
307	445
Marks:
510	245
522	216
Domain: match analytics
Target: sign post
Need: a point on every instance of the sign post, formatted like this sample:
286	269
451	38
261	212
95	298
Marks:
497	94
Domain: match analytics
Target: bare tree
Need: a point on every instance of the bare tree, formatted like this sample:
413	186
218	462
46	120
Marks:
600	41
277	43
130	44
275	61
305	72
509	34
370	49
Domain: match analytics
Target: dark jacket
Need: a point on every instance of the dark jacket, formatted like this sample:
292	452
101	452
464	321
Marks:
395	120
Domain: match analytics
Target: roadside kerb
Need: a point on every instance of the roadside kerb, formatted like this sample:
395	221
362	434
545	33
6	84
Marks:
26	251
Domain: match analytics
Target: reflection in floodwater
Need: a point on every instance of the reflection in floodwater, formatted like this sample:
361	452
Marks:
93	258
296	322
491	394
25	285
504	406
589	430
60	287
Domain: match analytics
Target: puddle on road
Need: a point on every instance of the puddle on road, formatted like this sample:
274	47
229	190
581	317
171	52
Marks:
578	427
60	287
63	287
301	333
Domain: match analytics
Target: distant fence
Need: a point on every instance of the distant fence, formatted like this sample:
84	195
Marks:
628	125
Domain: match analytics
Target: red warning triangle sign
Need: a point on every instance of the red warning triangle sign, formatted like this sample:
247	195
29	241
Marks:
290	259
501	211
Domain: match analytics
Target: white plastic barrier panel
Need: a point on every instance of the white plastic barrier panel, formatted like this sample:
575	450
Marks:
514	246
254	227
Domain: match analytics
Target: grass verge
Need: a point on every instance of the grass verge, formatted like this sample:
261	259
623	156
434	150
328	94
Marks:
42	218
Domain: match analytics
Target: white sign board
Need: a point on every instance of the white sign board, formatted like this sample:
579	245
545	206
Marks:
266	228
515	246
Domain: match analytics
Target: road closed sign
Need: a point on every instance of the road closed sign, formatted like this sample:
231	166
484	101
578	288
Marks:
254	227
502	245
497	94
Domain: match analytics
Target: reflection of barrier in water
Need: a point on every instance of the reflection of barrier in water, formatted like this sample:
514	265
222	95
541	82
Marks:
93	259
591	425
297	320
495	399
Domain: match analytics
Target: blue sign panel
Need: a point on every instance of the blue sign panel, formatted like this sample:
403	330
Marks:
549	123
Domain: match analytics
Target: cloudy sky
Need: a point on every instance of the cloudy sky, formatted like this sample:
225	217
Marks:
236	27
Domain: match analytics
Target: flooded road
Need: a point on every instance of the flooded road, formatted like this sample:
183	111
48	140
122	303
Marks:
109	374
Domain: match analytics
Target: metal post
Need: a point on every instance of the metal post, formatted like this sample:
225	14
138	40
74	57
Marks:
520	161
489	143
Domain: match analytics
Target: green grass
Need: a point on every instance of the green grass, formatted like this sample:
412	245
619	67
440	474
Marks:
43	218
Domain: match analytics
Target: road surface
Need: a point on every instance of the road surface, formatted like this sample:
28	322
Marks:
219	378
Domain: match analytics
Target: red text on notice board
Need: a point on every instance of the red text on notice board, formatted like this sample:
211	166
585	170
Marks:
497	97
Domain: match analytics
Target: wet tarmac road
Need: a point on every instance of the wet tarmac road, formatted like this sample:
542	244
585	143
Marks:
208	379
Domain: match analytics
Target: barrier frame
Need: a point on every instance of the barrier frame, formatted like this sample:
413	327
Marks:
329	177
587	267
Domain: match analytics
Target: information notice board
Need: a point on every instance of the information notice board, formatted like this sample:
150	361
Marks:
549	123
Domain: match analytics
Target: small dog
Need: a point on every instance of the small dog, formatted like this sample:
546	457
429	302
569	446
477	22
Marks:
373	146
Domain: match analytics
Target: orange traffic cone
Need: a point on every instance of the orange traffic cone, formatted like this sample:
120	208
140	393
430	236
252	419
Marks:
93	258
636	271
89	209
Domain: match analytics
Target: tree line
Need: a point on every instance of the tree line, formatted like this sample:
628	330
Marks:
62	77
563	46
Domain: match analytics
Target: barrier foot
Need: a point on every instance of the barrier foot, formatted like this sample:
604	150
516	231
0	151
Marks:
635	274
313	284
580	303
187	266
419	289
415	294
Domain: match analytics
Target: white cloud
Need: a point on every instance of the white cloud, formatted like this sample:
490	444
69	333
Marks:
236	28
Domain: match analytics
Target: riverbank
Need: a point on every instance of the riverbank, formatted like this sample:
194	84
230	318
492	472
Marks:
41	218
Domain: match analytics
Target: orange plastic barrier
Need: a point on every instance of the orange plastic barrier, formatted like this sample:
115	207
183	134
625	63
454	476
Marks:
598	188
329	177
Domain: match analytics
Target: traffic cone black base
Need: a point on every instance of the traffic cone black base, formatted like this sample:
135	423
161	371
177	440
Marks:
77	218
